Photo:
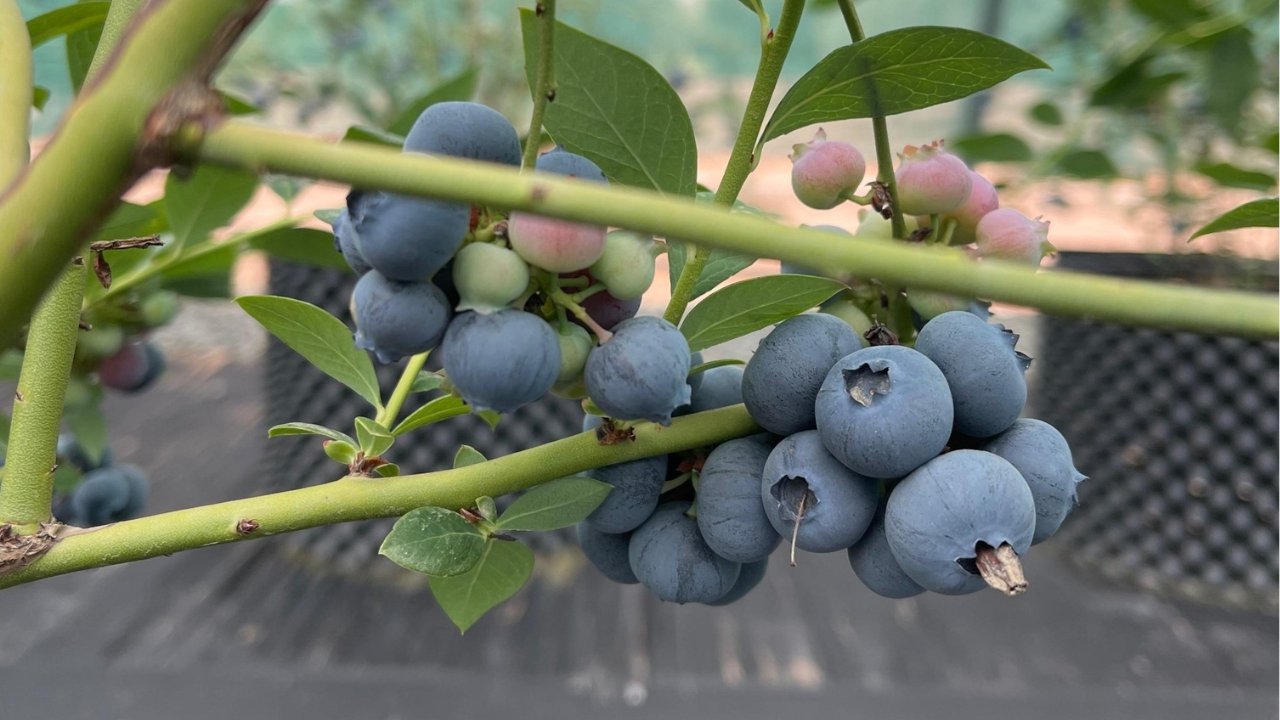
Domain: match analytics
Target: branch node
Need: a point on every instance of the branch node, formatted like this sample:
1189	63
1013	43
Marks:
247	526
18	551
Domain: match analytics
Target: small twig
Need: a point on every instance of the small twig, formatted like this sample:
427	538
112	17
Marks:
134	243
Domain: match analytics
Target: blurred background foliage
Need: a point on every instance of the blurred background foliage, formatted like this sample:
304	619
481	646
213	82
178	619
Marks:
1180	94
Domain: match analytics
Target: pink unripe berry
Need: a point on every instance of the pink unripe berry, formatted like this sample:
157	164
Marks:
982	200
1009	235
824	170
931	180
555	245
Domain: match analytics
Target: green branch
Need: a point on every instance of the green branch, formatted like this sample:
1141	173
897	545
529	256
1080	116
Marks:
880	128
94	155
773	54
15	91
119	16
544	87
927	267
362	498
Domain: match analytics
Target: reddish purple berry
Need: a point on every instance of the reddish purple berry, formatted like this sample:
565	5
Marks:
1009	235
932	180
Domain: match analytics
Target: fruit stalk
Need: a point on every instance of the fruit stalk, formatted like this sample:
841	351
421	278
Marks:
352	499
742	159
544	87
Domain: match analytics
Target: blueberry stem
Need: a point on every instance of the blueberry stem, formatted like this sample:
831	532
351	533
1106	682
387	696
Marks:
587	292
863	199
389	414
948	230
795	531
544	86
677	481
562	299
743	157
574	283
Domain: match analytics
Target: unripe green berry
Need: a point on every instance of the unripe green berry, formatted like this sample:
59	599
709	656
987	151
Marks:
575	345
626	266
159	308
488	277
101	342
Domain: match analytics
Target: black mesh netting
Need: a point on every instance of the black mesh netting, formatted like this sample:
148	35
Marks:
296	391
1178	433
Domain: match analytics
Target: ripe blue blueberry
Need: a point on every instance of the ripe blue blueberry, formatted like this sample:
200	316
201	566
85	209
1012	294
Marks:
344	241
559	161
607	552
874	564
636	486
108	495
502	360
984	372
1042	457
884	411
838	504
781	381
641	372
749	577
670	558
466	130
695	380
943	513
397	319
730	515
406	238
720	387
139	492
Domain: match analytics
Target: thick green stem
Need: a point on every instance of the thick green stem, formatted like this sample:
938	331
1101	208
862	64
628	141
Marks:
27	490
118	19
544	86
914	265
362	498
15	91
389	414
94	155
742	159
884	154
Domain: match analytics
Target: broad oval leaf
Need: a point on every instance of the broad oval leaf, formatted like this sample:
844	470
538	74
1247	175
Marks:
301	428
303	245
204	202
996	147
317	336
467	455
616	110
503	569
459	87
556	504
434	541
896	72
66	20
1258	213
747	306
374	439
441	408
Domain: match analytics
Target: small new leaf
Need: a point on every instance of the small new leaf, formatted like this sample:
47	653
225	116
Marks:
487	508
426	382
556	504
502	570
204	202
387	470
747	306
340	451
374	439
434	541
441	408
299	428
467	455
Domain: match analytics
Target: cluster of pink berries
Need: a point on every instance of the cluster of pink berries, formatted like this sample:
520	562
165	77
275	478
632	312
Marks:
932	184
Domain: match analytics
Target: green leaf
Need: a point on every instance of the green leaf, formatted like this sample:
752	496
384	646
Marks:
81	46
66	20
556	504
340	451
434	541
237	104
441	408
1229	175
66	478
1271	142
896	72
205	202
300	428
460	87
616	110
286	187
39	96
997	147
754	6
130	220
1133	86
426	382
503	569
749	305
467	455
317	336
10	368
328	215
374	439
487	508
1087	165
387	470
90	428
1046	113
1258	213
366	134
1233	77
491	417
721	265
207	274
714	364
302	245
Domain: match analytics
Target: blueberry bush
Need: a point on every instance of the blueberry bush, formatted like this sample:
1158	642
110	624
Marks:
887	424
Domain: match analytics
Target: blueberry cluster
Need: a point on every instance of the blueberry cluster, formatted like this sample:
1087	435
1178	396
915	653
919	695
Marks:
106	492
513	300
913	460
